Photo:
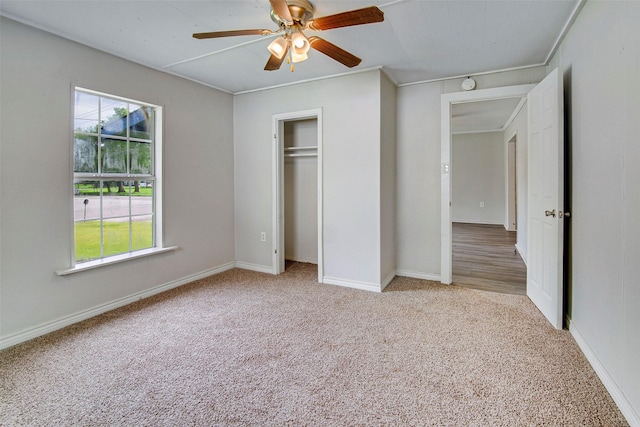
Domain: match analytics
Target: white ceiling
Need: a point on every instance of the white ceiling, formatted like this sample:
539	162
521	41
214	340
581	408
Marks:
483	116
418	40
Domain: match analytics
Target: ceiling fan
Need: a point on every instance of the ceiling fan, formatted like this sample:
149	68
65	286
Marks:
292	18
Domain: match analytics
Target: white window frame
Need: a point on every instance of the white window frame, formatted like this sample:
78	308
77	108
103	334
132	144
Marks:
157	163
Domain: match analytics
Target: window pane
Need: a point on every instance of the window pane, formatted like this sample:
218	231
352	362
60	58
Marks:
140	157
116	236
115	200
87	236
140	121
86	113
86	201
113	116
114	156
113	213
86	216
85	153
141	232
142	202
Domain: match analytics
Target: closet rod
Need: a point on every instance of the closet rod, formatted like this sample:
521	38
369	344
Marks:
299	148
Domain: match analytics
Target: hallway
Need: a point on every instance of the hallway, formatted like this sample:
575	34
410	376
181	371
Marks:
484	258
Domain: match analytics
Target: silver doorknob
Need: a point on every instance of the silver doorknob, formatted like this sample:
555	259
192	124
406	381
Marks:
550	213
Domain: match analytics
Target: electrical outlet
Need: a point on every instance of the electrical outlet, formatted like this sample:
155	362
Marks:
482	204
263	237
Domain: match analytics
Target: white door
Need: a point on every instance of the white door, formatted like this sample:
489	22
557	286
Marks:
546	193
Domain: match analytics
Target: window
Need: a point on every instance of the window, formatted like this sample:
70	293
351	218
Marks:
116	176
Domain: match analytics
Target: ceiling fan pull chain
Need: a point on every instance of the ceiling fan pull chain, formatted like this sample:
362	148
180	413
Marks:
290	60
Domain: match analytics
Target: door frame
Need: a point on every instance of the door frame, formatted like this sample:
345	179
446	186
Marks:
277	179
447	100
511	181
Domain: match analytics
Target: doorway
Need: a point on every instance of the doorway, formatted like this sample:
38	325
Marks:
482	199
545	194
448	101
297	190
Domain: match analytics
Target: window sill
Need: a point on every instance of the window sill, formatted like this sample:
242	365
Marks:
90	265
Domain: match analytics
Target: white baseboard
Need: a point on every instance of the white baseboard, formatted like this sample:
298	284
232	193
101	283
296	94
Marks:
302	259
388	280
472	221
254	267
612	387
524	258
418	275
62	322
372	287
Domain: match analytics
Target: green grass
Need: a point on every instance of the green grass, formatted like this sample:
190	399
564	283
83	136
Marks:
90	190
116	238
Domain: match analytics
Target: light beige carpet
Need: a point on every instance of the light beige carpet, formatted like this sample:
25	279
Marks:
244	348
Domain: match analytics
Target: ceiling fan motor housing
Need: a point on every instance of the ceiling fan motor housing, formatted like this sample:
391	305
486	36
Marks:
301	12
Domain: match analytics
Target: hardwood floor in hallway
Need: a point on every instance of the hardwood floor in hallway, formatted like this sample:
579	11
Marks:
484	258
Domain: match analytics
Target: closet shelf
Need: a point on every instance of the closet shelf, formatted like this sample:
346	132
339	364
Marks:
300	148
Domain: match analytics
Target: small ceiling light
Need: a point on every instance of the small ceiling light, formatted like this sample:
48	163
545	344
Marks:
299	47
278	47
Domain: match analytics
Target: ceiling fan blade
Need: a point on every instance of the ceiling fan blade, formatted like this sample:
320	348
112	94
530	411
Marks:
216	34
281	9
274	62
334	51
368	15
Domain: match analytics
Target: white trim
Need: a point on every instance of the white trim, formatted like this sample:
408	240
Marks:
612	387
418	275
364	286
156	176
62	322
446	101
277	180
565	30
303	260
117	97
466	132
514	115
315	79
107	51
254	267
464	76
388	280
158	173
114	259
520	252
472	221
215	52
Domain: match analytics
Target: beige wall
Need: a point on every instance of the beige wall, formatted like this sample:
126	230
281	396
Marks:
351	158
600	60
38	73
418	168
478	176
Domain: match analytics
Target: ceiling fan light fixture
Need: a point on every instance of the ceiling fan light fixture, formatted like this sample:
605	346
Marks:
298	57
278	47
294	16
299	43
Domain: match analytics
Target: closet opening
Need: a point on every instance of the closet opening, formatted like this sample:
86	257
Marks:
298	191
